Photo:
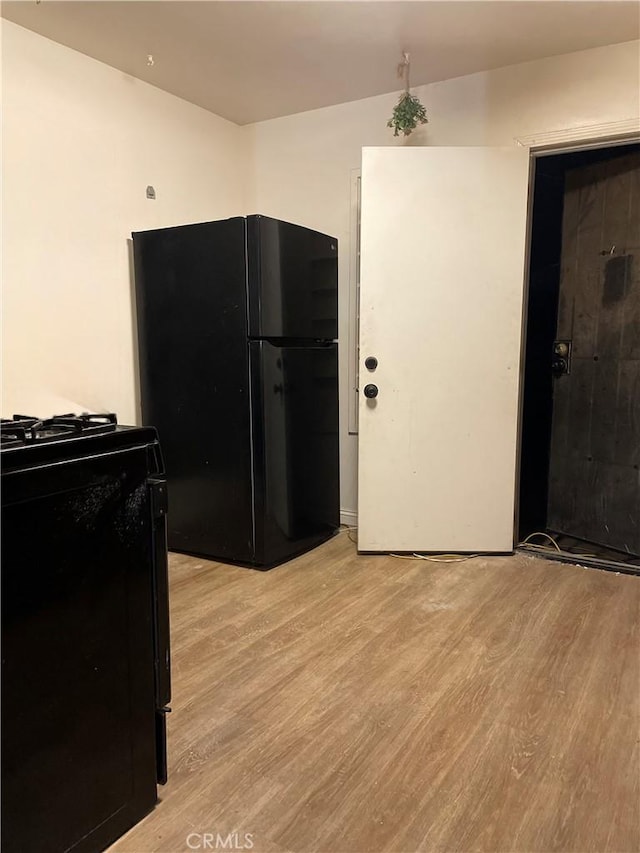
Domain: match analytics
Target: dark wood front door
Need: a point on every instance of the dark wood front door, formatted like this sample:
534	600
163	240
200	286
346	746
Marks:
594	476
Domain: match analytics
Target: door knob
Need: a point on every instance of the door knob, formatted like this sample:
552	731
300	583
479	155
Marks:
559	366
370	391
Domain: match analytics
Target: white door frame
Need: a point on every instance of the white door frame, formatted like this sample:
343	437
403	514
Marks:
545	145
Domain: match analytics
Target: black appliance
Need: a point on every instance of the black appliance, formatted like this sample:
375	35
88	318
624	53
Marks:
85	631
237	327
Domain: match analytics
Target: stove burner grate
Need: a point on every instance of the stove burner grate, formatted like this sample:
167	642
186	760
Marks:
22	430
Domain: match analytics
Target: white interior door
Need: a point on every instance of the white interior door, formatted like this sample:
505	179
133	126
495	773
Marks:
441	292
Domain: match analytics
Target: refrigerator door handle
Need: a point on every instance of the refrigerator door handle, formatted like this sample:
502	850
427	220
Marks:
160	581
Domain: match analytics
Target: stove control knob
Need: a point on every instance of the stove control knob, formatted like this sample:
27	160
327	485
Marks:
370	391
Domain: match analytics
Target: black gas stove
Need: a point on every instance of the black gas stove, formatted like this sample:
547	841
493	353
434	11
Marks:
85	630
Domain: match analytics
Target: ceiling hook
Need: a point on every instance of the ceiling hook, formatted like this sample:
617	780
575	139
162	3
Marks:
403	67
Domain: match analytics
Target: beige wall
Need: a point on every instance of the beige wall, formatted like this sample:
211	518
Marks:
81	141
302	164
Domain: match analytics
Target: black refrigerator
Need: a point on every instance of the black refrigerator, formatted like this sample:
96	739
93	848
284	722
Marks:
237	328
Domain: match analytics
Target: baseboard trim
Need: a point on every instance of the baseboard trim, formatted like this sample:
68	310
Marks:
348	518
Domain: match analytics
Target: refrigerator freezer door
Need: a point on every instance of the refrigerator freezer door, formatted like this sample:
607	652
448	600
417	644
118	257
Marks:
295	427
293	281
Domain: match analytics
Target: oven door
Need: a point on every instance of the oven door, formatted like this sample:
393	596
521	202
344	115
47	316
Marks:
81	590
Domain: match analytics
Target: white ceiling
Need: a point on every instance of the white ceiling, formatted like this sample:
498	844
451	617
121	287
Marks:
249	61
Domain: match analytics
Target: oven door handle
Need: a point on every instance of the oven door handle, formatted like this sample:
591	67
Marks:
161	745
161	653
159	505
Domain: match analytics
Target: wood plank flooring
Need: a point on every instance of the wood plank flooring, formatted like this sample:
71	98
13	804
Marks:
364	703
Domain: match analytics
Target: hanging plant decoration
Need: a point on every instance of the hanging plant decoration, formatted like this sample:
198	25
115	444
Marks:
408	113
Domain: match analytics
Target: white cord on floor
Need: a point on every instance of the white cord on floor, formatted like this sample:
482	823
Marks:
462	558
545	549
525	541
347	529
437	558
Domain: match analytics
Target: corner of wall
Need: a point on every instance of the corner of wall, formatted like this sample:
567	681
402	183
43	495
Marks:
247	137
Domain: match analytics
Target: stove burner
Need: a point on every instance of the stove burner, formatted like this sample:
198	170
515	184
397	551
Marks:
24	429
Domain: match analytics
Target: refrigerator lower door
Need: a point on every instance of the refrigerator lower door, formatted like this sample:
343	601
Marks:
295	447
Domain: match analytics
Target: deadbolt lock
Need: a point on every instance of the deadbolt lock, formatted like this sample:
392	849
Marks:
561	361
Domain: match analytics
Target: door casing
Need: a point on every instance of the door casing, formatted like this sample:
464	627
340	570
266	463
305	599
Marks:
579	140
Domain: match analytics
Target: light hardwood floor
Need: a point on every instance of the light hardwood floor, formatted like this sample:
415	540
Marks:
364	703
